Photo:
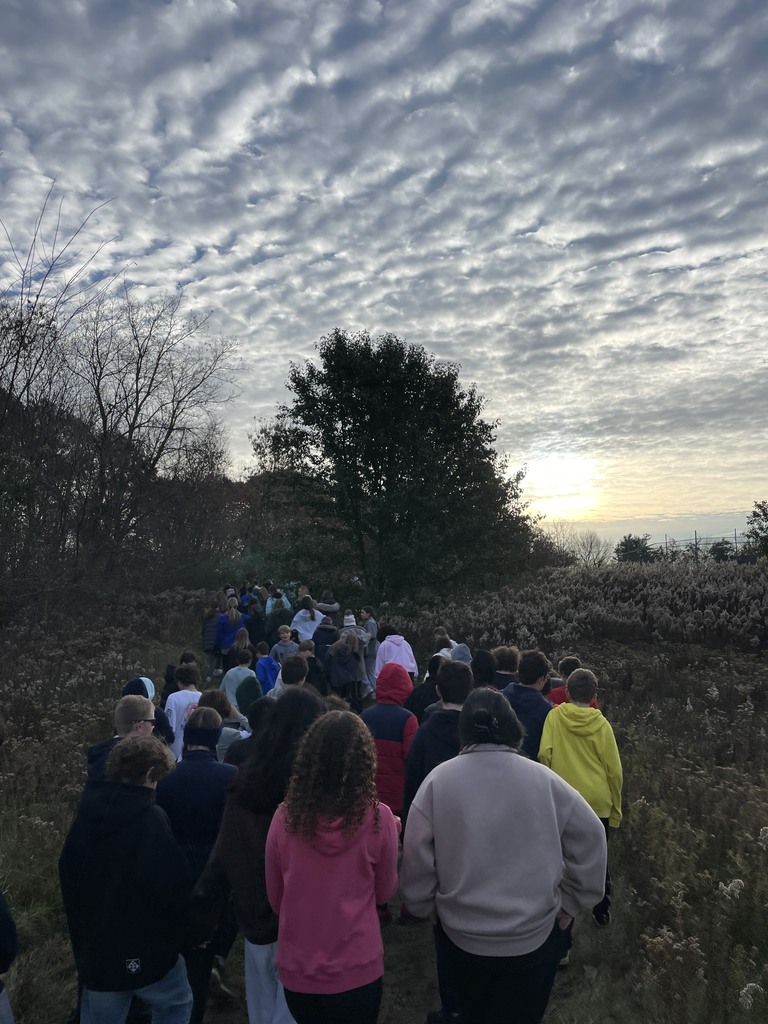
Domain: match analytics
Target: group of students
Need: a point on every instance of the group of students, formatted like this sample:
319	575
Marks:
291	831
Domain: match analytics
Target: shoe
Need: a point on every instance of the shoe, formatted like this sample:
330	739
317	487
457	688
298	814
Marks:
218	671
219	990
602	919
564	961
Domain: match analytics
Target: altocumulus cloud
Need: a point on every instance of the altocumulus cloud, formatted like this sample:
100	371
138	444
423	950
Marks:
567	198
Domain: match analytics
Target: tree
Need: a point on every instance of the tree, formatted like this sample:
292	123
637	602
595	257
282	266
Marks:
591	550
399	465
634	548
757	527
721	551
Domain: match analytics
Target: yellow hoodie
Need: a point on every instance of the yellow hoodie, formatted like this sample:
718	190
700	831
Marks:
578	744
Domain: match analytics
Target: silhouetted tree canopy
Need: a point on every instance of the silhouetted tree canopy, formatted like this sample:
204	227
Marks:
410	485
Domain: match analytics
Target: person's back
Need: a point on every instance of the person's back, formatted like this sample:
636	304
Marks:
395	648
124	884
578	744
393	729
437	739
234	677
180	704
193	796
527	701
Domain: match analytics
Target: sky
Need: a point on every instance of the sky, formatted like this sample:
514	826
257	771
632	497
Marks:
567	197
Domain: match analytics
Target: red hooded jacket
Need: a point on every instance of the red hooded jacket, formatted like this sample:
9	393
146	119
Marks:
393	729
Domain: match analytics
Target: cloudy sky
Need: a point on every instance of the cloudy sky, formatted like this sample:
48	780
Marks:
568	197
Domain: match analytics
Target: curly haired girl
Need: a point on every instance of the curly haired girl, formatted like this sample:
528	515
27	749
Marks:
331	857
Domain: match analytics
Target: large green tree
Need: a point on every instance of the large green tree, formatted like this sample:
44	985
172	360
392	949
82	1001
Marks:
399	465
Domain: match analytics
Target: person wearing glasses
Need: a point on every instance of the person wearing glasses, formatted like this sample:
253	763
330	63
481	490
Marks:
133	715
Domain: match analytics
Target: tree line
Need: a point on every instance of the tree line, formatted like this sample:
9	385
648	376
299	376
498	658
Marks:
380	474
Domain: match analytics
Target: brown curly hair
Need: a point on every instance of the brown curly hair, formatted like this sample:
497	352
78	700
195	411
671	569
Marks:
334	776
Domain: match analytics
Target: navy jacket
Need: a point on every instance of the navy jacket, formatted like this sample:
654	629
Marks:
193	798
125	888
531	708
437	740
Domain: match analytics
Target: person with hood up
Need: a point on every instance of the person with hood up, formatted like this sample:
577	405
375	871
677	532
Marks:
125	885
394	648
331	857
393	729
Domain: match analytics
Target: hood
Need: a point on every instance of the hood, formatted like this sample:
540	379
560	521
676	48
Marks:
108	807
461	653
395	639
393	684
581	721
329	839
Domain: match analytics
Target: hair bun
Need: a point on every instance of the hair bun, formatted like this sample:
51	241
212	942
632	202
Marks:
485	725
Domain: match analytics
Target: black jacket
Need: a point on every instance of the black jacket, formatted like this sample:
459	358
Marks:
437	740
125	887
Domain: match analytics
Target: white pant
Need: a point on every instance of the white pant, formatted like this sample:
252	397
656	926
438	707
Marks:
264	994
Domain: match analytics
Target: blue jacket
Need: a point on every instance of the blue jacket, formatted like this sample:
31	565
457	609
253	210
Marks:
531	708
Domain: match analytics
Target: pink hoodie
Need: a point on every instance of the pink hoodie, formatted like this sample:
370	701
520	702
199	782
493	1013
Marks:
325	894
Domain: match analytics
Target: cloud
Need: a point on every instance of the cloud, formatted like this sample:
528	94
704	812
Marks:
565	198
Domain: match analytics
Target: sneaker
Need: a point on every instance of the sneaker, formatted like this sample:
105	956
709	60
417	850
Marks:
564	961
218	672
218	990
602	919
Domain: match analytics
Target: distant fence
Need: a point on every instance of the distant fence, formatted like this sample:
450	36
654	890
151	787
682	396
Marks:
727	545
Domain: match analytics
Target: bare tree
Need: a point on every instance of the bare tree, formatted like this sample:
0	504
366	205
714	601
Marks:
148	377
591	550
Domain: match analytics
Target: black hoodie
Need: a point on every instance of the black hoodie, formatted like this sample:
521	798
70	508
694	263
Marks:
125	886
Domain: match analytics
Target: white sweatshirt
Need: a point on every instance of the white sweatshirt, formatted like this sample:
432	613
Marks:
495	846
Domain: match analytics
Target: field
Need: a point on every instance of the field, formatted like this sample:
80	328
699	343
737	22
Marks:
680	652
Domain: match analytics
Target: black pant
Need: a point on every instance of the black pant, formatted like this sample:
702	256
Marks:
505	989
356	1006
604	906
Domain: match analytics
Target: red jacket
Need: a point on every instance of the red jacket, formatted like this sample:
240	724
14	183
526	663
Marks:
393	729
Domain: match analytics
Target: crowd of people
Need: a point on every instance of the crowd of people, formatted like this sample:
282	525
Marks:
306	782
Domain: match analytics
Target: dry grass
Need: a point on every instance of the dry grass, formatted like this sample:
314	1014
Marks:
687	943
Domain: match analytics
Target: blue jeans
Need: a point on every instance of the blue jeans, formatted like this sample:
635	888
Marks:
170	999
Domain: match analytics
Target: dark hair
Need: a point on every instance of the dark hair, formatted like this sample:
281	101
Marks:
483	668
582	685
244	656
368	610
294	669
187	658
263	779
262	647
455	681
567	665
507	658
188	675
308	646
435	665
487	717
135	757
385	631
334	776
308	605
533	665
259	712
